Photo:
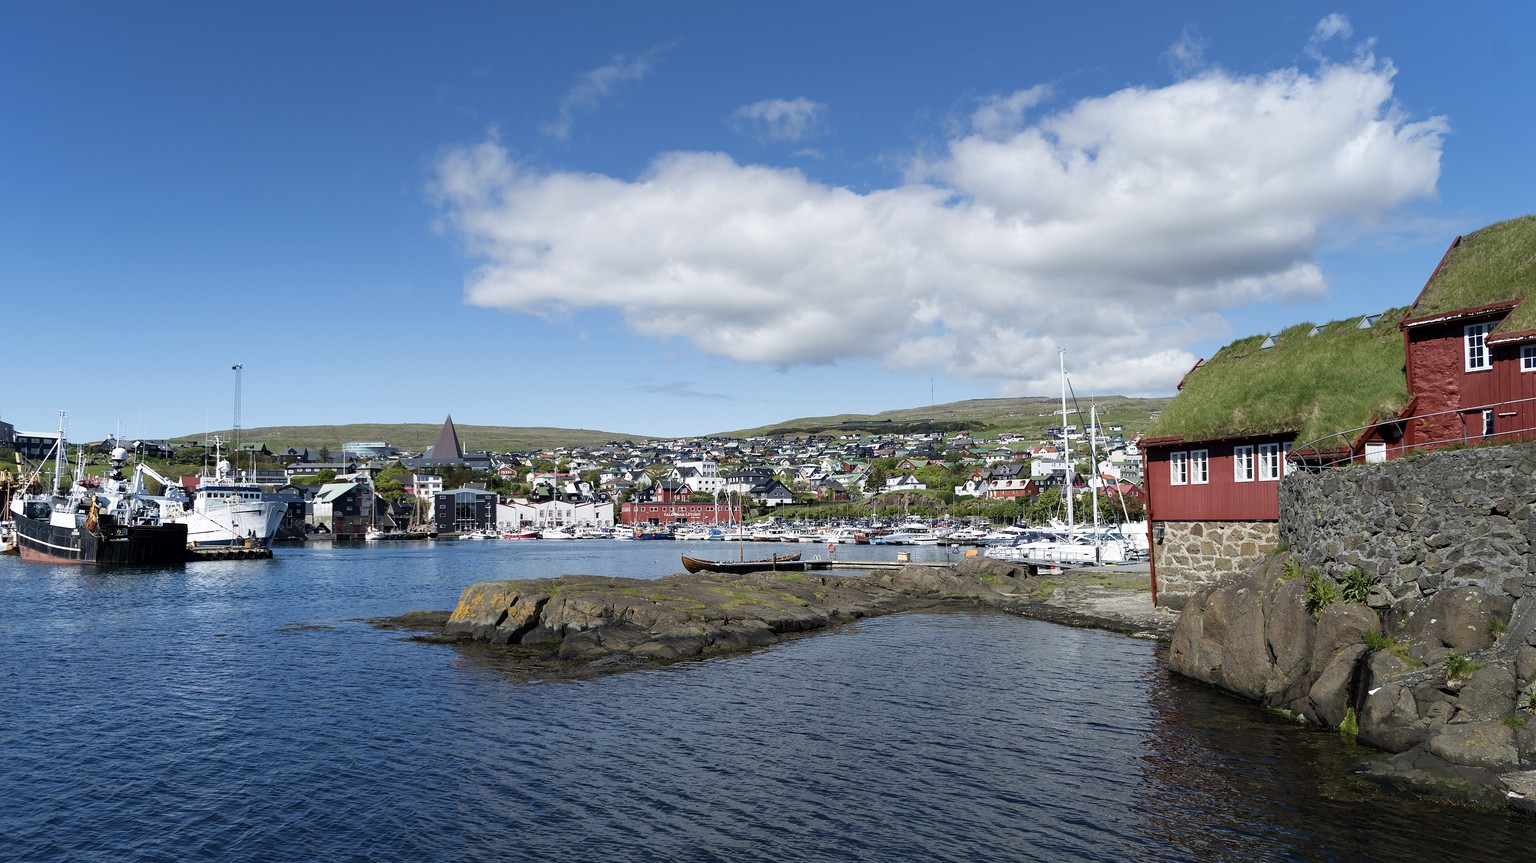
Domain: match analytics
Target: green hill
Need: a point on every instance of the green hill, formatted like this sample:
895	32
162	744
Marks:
983	418
416	437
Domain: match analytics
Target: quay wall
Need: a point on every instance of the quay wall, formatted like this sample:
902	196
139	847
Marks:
1421	525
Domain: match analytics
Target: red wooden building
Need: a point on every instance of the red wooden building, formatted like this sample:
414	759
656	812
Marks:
1212	462
1458	366
672	506
1471	341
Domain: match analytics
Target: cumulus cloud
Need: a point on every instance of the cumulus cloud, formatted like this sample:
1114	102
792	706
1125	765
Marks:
1119	227
596	85
780	119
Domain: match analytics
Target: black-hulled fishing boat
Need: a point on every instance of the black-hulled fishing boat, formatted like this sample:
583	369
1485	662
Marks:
99	521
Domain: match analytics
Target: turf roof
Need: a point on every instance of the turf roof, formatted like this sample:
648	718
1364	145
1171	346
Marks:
1490	266
1340	379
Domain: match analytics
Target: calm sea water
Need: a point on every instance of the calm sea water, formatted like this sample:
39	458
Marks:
241	711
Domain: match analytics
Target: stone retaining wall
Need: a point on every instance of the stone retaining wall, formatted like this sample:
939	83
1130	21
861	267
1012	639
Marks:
1196	554
1422	524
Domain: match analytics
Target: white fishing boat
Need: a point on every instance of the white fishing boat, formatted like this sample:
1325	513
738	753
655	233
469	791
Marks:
222	511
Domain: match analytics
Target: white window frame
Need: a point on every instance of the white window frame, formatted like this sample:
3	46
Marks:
1375	452
1199	466
1527	358
1478	357
1271	460
1487	423
1178	468
1242	464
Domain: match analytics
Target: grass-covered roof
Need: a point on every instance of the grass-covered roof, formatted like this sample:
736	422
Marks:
1491	266
1338	379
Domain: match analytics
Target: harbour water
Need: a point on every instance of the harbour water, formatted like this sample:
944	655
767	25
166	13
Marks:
243	710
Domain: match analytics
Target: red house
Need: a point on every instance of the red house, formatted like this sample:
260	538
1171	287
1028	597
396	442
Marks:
1213	460
1471	342
1457	367
671	505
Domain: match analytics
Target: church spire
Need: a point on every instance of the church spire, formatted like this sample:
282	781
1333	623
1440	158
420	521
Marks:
447	446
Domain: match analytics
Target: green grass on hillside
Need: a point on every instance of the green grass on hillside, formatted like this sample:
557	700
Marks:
1489	266
984	418
1313	385
418	436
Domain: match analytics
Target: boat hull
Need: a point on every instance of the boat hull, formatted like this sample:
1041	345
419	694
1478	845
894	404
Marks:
789	562
149	545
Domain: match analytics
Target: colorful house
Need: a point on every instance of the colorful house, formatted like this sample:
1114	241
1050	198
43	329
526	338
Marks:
1470	339
1214	458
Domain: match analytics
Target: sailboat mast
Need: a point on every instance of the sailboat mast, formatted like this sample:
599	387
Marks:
1066	450
1093	449
1093	462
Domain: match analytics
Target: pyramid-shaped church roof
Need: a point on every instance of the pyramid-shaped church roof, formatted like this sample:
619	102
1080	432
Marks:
447	447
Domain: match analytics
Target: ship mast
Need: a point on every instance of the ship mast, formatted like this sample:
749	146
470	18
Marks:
236	368
1066	454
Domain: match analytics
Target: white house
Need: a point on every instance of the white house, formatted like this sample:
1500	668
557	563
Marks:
554	513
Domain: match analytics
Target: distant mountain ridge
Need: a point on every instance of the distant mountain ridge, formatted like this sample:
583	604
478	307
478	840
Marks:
1029	416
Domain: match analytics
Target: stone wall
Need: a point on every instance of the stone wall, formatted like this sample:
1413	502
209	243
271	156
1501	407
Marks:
1423	524
1196	554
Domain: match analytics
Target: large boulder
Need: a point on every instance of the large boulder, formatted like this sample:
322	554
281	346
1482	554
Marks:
1490	745
1388	715
1459	619
1488	694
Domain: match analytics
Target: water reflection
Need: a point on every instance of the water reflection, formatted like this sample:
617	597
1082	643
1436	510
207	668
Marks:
238	710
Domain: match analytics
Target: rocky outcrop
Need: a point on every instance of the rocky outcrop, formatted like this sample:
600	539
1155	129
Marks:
593	619
1443	680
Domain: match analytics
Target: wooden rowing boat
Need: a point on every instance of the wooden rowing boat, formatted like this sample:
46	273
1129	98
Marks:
778	561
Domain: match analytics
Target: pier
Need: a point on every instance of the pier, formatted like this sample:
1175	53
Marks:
225	552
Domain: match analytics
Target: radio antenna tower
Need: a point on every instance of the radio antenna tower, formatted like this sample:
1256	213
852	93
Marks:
236	369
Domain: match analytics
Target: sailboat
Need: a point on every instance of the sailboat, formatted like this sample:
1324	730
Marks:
1069	542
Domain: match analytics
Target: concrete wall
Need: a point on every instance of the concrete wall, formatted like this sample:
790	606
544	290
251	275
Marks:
1422	524
1195	554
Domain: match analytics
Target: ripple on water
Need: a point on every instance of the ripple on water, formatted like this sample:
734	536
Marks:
199	713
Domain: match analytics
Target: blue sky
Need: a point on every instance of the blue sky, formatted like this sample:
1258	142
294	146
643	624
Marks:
677	218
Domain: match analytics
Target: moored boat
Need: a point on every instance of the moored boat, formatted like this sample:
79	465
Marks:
789	562
98	522
222	511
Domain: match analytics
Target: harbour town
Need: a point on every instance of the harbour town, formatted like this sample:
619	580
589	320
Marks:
817	432
1253	551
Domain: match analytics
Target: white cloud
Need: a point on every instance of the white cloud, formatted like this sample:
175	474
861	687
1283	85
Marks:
1187	55
780	119
595	86
1119	227
999	116
1332	26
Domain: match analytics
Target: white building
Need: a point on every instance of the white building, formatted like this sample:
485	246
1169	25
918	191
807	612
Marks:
426	486
554	513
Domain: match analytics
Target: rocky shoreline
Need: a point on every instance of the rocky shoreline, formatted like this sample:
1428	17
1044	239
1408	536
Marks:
580	625
1443	685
